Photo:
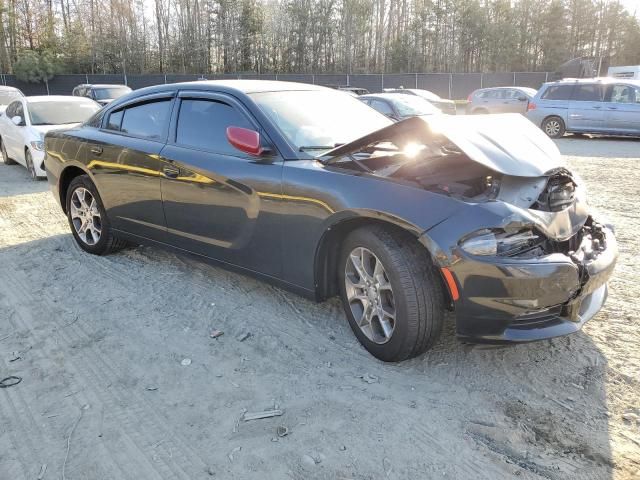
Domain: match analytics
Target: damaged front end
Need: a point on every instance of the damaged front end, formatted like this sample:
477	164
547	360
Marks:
529	259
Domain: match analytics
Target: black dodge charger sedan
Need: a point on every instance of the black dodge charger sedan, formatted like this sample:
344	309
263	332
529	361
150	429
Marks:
312	190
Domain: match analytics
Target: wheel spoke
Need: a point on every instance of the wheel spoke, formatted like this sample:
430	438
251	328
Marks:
370	295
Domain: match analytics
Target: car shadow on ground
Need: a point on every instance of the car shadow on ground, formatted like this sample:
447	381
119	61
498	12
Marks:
15	180
110	328
579	145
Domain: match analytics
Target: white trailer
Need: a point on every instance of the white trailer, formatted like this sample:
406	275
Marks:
632	71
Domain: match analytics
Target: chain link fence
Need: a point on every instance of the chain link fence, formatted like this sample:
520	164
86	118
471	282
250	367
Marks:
456	86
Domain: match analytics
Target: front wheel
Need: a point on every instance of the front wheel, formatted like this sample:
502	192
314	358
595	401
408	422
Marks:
553	127
391	293
30	166
88	219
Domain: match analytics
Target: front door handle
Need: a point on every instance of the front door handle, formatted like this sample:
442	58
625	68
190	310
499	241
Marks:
613	108
96	150
170	172
597	107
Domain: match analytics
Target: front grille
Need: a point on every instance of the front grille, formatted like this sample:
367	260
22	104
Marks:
540	318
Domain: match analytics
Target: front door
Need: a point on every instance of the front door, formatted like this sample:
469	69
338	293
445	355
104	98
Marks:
218	201
586	108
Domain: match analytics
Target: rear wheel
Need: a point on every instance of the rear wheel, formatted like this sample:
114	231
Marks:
553	127
5	156
88	219
391	293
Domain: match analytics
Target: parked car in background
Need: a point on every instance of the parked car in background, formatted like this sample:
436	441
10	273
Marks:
103	94
442	104
8	95
607	106
313	191
398	107
354	91
27	119
500	100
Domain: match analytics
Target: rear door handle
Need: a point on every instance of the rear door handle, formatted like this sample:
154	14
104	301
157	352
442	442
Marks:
96	150
613	108
170	172
597	107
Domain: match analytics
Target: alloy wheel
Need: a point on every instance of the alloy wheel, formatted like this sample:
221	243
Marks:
552	128
30	167
370	295
85	216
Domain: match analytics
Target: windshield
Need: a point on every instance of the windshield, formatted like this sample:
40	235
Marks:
110	93
318	119
61	112
7	97
411	106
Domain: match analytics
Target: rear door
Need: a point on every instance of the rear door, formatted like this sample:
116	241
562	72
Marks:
219	201
586	108
124	157
514	101
622	109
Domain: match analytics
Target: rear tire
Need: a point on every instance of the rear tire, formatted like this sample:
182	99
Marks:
407	287
88	218
5	156
553	126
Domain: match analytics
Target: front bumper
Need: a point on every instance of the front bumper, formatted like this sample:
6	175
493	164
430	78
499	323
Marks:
510	300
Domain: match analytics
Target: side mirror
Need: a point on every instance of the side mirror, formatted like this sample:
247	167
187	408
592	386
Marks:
17	120
245	140
522	99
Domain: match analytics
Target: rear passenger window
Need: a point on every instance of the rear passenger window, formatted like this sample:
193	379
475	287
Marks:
203	124
587	93
147	120
623	94
558	92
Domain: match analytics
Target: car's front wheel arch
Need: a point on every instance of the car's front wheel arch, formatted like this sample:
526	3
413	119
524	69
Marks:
328	250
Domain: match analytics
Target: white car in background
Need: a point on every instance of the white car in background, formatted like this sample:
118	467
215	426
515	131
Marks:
8	95
26	120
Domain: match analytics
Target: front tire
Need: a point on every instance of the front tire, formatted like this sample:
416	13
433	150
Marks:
30	166
391	293
553	126
5	156
88	218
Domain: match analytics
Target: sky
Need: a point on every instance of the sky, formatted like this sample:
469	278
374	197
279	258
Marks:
632	6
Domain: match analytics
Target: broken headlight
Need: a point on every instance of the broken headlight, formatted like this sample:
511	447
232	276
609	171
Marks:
500	243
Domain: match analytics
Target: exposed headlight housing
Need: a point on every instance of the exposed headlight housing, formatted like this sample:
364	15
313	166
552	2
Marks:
38	145
499	243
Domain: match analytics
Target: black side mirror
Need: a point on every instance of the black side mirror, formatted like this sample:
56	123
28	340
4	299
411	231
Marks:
522	98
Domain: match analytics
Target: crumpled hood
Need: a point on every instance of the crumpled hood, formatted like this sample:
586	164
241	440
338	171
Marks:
506	143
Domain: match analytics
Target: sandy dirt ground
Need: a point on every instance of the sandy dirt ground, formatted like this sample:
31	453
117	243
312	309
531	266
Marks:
100	344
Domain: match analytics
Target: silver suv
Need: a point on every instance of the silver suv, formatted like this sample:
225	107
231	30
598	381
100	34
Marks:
500	100
597	105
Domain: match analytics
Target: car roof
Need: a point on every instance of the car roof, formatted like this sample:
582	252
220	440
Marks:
6	88
603	80
55	98
243	86
101	85
388	96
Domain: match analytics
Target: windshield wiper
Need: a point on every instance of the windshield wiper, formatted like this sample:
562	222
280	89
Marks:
319	147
